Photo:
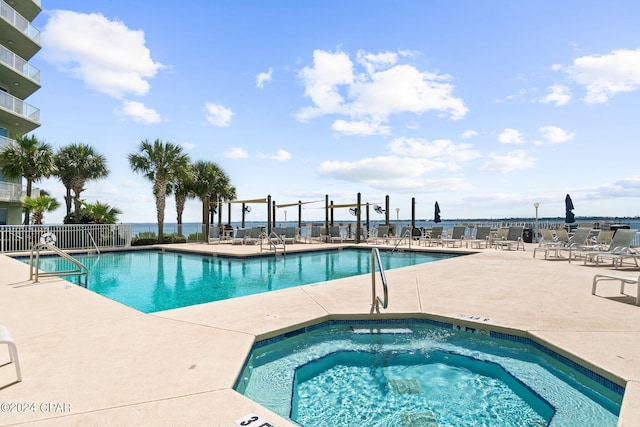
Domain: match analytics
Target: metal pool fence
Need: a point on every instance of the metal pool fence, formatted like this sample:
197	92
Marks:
20	238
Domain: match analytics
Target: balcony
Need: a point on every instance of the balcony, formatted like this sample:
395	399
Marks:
22	117
12	193
24	76
19	36
27	8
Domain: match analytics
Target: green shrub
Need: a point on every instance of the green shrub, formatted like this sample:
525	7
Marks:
195	237
143	242
174	238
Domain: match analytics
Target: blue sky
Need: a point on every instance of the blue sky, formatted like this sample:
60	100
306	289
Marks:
486	107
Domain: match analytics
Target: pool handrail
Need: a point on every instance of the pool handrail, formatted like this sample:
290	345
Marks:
273	240
408	234
82	270
375	300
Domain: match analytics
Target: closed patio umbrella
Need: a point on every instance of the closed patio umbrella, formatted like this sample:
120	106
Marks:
570	218
436	214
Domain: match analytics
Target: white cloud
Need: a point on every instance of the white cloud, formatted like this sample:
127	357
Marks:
361	128
188	145
374	62
441	149
558	95
393	173
236	153
379	88
137	112
510	136
607	75
264	78
321	82
468	134
509	162
281	156
555	134
109	57
218	115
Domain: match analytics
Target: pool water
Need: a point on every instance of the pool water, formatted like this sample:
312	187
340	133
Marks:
152	281
420	375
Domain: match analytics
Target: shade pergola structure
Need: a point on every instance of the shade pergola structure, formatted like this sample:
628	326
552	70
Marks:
358	206
244	204
299	204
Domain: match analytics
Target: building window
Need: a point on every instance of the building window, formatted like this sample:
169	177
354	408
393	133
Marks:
3	216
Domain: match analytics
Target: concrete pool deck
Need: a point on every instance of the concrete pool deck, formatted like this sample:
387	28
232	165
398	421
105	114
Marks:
90	361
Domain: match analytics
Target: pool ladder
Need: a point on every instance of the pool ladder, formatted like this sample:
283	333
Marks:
274	240
375	300
81	270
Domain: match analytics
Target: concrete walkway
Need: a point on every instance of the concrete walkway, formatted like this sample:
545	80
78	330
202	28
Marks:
90	361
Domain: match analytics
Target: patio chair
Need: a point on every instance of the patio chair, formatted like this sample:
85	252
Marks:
335	235
457	237
315	235
290	235
6	338
238	236
548	239
481	238
623	279
435	237
214	234
575	242
513	238
619	250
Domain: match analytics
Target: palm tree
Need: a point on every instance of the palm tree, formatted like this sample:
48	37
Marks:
27	158
76	164
39	205
101	213
210	183
160	163
182	189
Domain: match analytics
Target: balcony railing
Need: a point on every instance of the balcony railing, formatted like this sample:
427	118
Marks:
19	21
5	141
19	107
20	238
12	193
20	65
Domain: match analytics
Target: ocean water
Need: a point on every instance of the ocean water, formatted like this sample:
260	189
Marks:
192	227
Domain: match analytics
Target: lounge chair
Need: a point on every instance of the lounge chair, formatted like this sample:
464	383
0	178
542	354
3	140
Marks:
562	237
315	235
382	235
457	237
623	279
214	234
619	250
513	238
406	234
245	236
548	239
481	238
290	235
335	235
435	237
238	236
575	242
5	338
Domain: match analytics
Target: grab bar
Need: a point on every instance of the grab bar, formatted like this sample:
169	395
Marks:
272	243
81	271
375	300
407	234
94	242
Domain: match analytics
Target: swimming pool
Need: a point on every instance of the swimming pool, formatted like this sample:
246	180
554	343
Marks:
420	372
152	281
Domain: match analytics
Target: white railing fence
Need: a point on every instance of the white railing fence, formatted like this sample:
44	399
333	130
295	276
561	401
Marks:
21	238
